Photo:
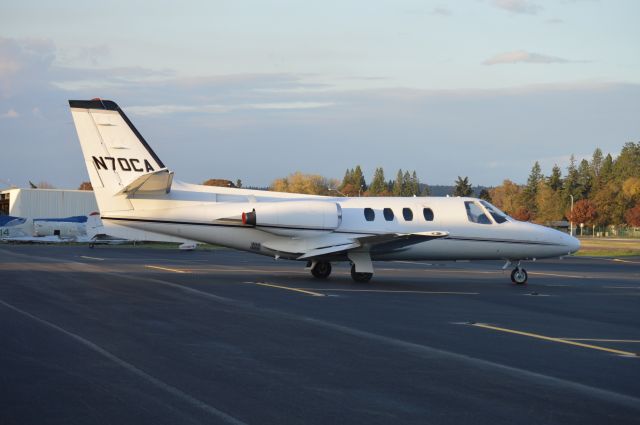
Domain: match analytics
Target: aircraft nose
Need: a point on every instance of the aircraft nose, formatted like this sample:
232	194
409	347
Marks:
572	244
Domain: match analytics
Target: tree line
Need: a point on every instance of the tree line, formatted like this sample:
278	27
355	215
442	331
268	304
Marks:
605	191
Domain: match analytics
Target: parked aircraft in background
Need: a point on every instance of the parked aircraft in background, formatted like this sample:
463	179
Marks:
134	188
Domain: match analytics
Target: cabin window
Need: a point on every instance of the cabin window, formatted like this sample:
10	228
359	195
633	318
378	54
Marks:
428	214
388	214
407	214
497	215
475	213
369	214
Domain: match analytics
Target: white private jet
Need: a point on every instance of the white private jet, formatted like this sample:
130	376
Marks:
134	188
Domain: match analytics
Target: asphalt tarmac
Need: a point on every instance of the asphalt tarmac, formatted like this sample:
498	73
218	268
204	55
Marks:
122	335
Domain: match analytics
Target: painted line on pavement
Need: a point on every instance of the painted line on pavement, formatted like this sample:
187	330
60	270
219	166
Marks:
632	341
91	258
552	339
392	291
619	260
168	269
288	288
560	275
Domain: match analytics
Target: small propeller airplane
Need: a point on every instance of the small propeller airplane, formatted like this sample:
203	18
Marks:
134	188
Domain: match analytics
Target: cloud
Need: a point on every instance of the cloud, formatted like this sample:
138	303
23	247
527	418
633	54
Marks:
520	56
441	11
555	21
24	63
221	109
11	113
518	6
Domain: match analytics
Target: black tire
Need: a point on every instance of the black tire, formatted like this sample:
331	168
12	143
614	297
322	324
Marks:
360	277
519	276
322	270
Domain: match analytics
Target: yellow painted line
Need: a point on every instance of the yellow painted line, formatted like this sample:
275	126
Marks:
304	291
618	260
167	269
91	258
621	287
560	340
632	341
203	269
393	291
559	275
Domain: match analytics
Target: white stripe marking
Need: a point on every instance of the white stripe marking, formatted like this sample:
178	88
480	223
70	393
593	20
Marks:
131	368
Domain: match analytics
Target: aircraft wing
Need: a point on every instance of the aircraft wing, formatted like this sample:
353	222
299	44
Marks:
336	243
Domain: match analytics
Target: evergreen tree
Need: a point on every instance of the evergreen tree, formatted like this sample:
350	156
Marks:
628	162
415	184
358	179
555	179
606	170
596	162
571	181
378	184
348	178
406	184
531	189
462	187
397	185
585	179
484	194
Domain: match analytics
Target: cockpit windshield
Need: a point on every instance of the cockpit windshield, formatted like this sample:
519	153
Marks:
476	213
497	215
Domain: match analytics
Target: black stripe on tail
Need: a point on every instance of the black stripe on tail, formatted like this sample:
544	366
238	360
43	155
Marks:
109	105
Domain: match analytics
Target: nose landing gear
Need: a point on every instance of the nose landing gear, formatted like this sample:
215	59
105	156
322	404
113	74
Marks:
519	276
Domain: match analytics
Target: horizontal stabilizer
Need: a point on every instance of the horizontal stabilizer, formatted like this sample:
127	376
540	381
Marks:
149	183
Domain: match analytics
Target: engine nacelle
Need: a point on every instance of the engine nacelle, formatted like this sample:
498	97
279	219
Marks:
294	217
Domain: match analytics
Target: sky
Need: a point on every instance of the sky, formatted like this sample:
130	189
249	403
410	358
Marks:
256	90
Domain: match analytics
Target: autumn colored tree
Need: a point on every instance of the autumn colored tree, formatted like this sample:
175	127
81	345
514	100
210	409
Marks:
311	184
609	203
522	214
85	186
506	196
218	182
549	204
584	212
631	188
632	216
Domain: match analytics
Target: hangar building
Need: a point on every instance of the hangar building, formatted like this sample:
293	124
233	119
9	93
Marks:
47	203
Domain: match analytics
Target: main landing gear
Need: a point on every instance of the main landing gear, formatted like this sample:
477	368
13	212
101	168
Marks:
321	269
360	277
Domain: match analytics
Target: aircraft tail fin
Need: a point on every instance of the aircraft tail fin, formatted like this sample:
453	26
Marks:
115	153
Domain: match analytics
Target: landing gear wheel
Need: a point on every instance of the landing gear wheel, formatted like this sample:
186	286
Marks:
322	270
519	276
360	277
